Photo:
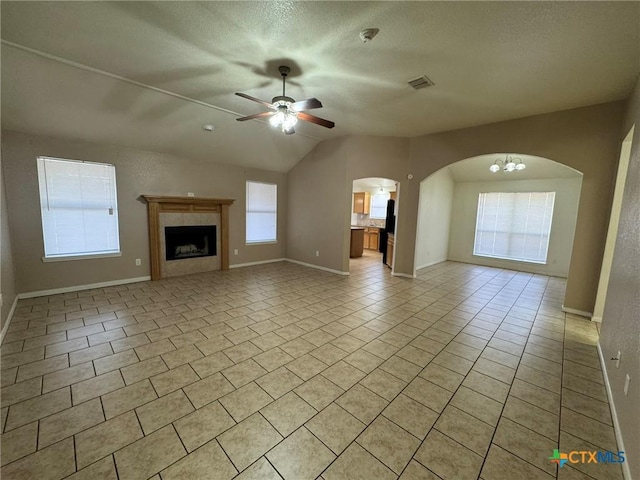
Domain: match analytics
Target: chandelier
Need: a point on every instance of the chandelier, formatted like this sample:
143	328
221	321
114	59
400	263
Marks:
509	164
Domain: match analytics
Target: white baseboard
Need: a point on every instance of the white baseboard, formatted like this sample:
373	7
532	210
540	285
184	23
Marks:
317	267
403	275
9	317
582	313
435	262
261	262
626	470
77	288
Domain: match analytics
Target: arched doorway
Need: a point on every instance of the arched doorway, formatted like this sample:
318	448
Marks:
448	213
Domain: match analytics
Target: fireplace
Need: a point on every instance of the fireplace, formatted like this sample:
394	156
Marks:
206	251
190	242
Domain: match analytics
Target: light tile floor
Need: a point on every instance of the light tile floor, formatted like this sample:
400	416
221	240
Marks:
281	371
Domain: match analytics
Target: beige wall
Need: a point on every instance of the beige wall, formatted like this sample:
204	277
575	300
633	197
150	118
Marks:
465	209
320	194
7	274
434	218
137	172
621	318
319	206
586	139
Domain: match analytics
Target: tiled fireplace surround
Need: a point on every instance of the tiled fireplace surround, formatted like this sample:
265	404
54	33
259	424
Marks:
166	211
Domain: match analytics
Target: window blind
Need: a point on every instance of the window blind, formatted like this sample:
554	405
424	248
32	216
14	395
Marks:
79	207
261	212
514	226
379	205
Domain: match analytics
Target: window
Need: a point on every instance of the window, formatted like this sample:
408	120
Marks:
379	205
261	212
514	226
79	208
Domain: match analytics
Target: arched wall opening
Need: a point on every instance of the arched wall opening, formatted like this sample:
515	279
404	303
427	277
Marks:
448	212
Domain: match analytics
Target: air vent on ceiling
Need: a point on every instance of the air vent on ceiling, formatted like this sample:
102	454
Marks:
421	82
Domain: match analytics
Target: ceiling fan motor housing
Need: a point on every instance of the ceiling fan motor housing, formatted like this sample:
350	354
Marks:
281	99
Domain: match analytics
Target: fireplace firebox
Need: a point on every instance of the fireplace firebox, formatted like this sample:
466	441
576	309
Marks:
190	242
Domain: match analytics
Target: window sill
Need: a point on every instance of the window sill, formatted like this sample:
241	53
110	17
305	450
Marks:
80	257
266	242
519	260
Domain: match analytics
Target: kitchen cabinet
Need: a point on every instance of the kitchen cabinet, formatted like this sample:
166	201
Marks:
371	238
357	242
390	245
392	195
361	202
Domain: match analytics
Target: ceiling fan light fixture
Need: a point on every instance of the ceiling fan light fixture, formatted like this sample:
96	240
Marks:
277	118
289	121
285	110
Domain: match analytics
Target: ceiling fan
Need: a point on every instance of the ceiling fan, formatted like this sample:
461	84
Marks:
285	110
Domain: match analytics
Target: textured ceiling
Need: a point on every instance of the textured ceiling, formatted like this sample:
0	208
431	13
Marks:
83	69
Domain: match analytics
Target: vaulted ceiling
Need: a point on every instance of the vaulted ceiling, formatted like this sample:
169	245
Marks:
148	75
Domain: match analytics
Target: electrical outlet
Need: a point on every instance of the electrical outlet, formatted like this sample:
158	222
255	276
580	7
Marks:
317	253
190	194
235	251
138	262
627	379
618	359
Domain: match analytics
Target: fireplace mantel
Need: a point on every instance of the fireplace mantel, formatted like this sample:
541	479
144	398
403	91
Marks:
162	204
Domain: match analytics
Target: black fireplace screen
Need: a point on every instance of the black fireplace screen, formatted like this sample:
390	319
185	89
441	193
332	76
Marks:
190	242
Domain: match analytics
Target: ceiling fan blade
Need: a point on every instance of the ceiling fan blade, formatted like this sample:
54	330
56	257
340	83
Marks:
317	120
255	115
307	104
254	99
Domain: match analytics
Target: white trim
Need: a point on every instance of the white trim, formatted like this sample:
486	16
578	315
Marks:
9	317
596	319
626	470
403	275
435	262
76	288
582	313
318	267
261	262
66	258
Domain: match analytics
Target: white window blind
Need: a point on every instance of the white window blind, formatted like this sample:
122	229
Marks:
261	212
79	207
379	205
514	226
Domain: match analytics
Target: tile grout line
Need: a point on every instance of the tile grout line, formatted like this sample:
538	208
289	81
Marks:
401	392
509	392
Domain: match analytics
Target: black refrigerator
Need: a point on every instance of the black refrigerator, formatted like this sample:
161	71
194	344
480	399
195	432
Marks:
389	227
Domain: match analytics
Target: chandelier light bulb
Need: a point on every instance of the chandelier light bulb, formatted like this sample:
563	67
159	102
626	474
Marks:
495	168
510	166
520	166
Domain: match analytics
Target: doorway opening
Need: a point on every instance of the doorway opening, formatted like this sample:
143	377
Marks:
373	221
